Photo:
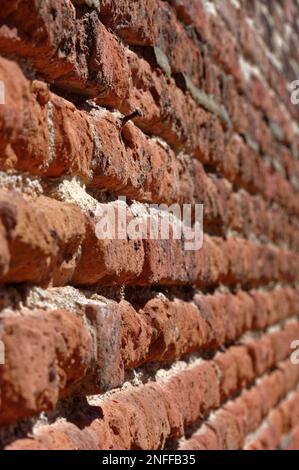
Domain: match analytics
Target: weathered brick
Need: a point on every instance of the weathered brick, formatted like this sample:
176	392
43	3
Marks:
191	13
271	390
261	353
48	37
226	427
41	132
4	252
156	26
245	372
215	325
72	142
63	436
292	442
25	139
62	154
114	345
243	416
177	328
120	421
239	410
279	422
145	405
269	437
227	366
45	354
195	391
48	249
252	400
107	368
205	439
108	260
137	335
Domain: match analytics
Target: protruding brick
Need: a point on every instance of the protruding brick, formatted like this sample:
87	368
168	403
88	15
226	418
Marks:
45	354
43	238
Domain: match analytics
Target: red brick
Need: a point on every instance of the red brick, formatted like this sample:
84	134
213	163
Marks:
61	436
107	369
195	391
49	37
136	336
4	252
230	14
121	420
191	13
73	146
176	328
25	139
45	353
141	26
252	400
227	367
48	250
108	261
214	322
224	46
271	390
59	48
239	410
154	25
290	374
261	353
260	319
269	437
132	164
226	427
159	267
205	439
293	441
206	127
281	340
145	405
79	131
245	372
41	132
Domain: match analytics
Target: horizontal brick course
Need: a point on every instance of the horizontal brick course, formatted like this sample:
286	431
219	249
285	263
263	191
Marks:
63	251
173	409
161	331
45	353
292	441
48	250
278	424
185	56
228	427
104	145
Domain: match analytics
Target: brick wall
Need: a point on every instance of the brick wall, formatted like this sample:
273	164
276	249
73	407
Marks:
142	344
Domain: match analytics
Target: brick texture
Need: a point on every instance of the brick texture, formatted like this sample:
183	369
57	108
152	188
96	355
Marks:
120	343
